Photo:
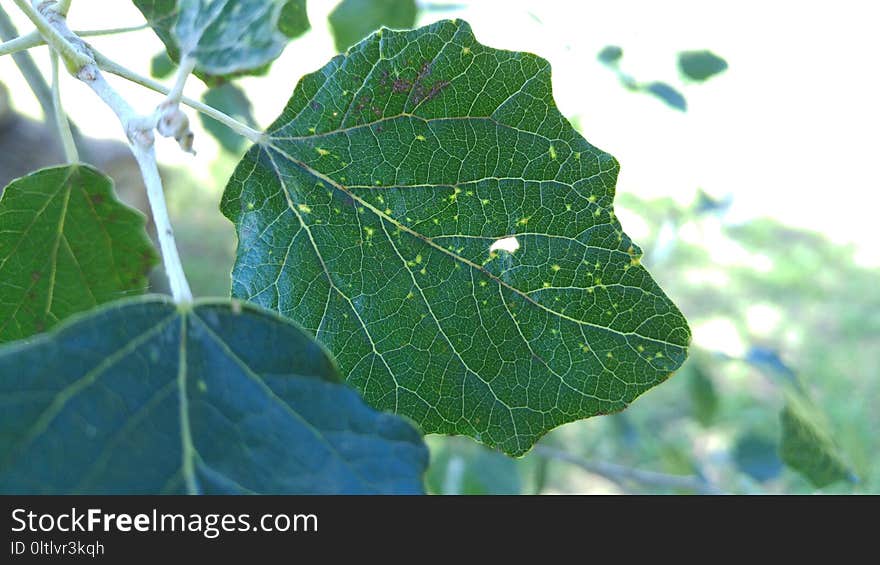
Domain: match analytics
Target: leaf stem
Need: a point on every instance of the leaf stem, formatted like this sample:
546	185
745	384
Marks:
187	64
621	474
61	121
74	58
62	7
112	67
139	130
34	39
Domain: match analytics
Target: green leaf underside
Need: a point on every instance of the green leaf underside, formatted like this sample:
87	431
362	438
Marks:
353	20
369	214
66	245
145	397
807	446
226	37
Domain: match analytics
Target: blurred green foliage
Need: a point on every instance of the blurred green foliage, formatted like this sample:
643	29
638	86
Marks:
353	20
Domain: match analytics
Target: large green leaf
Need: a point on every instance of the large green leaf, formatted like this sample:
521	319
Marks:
425	210
226	37
143	396
807	446
66	245
353	20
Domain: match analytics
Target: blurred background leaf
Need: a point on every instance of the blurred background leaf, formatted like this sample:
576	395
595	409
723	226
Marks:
756	456
700	65
232	101
807	445
353	20
610	55
704	398
672	97
161	65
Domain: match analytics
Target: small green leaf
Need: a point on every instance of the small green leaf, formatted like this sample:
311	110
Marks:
700	65
807	446
704	399
161	65
144	396
672	97
353	20
423	208
233	102
226	37
66	245
610	55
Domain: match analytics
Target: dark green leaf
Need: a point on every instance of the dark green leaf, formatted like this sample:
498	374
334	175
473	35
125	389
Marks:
704	399
232	101
610	55
144	396
353	20
807	446
226	37
380	213
700	65
66	245
161	65
672	97
756	456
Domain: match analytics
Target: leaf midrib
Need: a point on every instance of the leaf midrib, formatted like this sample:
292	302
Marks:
428	241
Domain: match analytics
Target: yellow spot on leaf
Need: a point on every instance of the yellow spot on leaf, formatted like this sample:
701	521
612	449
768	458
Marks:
322	152
304	208
556	268
421	138
552	152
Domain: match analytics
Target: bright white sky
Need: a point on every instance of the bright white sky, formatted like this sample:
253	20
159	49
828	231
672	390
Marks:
791	129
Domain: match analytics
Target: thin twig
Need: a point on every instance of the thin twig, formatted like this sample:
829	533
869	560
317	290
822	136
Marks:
61	122
34	39
139	130
621	474
62	7
183	71
106	64
74	57
28	68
